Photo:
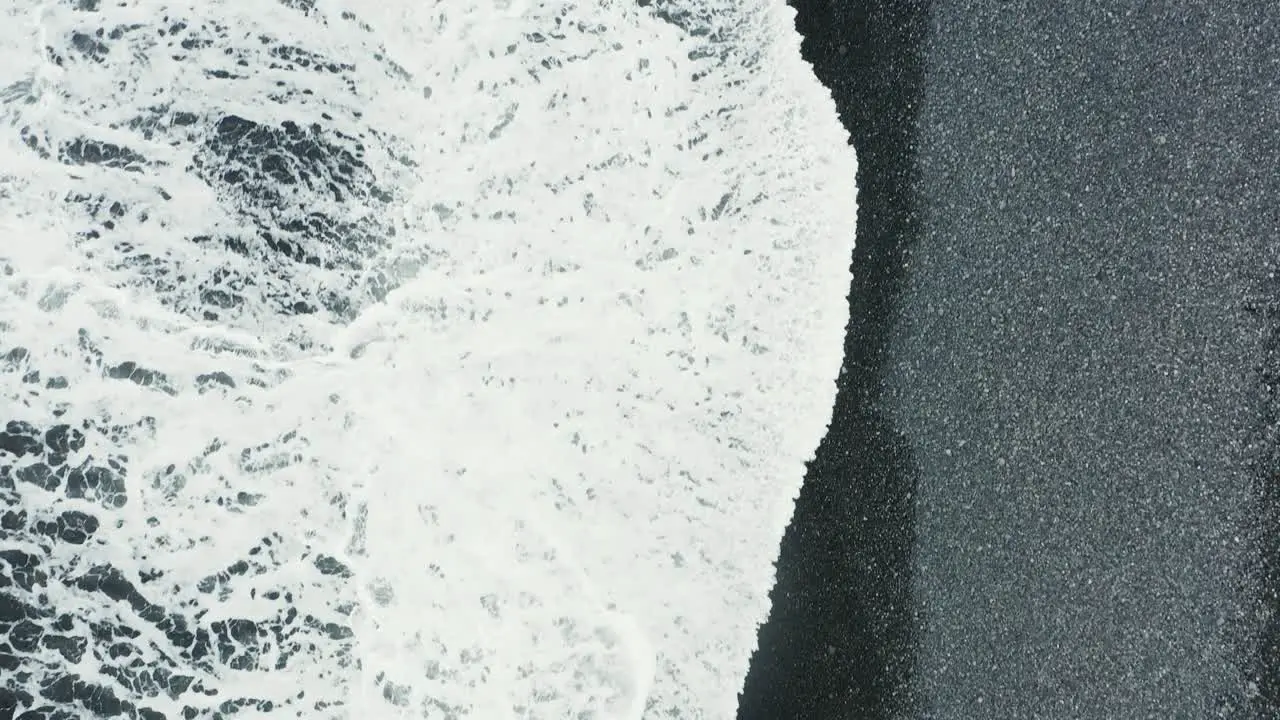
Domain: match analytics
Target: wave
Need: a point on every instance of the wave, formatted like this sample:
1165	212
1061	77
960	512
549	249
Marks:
428	360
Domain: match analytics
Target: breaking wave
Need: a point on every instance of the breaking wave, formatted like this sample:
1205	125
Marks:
406	359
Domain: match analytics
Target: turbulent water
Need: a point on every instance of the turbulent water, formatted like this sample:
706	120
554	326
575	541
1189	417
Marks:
405	359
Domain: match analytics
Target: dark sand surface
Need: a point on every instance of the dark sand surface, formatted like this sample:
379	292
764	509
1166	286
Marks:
1049	490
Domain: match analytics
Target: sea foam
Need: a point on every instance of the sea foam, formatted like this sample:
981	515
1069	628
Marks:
406	359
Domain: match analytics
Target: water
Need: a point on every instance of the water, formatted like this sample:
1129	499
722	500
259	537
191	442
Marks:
425	361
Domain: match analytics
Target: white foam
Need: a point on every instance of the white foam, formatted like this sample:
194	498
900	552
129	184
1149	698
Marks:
555	428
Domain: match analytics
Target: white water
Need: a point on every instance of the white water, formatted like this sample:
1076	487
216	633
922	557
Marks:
572	321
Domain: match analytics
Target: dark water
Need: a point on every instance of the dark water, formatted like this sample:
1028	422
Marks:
1049	490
